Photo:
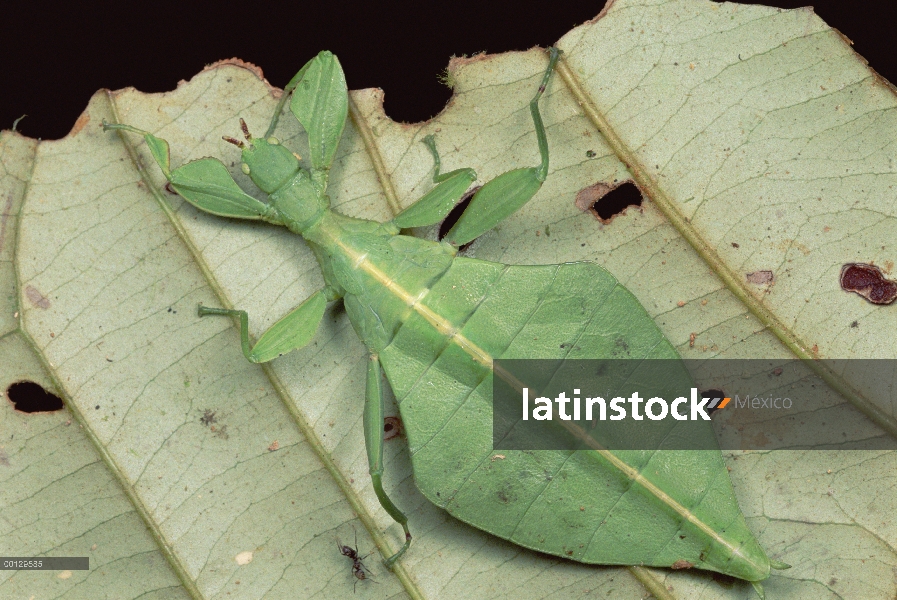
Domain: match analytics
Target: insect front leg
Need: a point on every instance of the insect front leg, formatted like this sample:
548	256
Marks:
373	439
293	331
204	183
439	201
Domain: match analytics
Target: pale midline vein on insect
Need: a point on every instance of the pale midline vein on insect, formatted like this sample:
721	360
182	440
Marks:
443	326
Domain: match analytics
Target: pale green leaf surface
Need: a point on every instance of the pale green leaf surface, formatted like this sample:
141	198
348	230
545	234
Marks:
729	144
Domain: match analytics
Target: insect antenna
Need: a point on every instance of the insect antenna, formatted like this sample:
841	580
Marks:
245	129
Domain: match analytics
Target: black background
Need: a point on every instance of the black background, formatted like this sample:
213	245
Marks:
56	58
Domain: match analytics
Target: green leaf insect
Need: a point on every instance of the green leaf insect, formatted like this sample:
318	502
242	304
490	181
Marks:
436	347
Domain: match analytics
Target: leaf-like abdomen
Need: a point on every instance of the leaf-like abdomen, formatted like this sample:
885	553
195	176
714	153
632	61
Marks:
621	507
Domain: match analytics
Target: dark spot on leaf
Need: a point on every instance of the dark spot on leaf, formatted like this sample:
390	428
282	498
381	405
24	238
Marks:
735	245
760	277
208	417
36	298
590	153
392	427
622	345
456	213
606	202
855	324
869	282
681	564
504	497
29	397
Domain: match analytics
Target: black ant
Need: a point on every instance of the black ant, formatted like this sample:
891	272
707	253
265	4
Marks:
360	571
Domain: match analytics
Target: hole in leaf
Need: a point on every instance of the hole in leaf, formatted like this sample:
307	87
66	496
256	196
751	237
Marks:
615	201
29	397
456	213
606	201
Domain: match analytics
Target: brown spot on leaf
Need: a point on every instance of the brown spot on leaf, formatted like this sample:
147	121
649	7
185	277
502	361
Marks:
590	195
869	282
36	298
681	564
760	277
392	427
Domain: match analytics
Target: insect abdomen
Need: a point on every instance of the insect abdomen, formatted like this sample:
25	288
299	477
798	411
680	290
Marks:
577	504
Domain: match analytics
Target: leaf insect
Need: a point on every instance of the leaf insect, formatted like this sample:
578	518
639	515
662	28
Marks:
436	347
360	571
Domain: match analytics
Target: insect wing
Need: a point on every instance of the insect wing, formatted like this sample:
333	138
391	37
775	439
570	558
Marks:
321	103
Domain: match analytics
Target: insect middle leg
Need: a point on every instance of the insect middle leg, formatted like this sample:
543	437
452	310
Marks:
373	439
292	332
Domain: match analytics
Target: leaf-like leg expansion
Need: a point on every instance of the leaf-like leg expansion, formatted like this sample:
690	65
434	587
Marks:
204	183
293	331
509	191
438	202
373	439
